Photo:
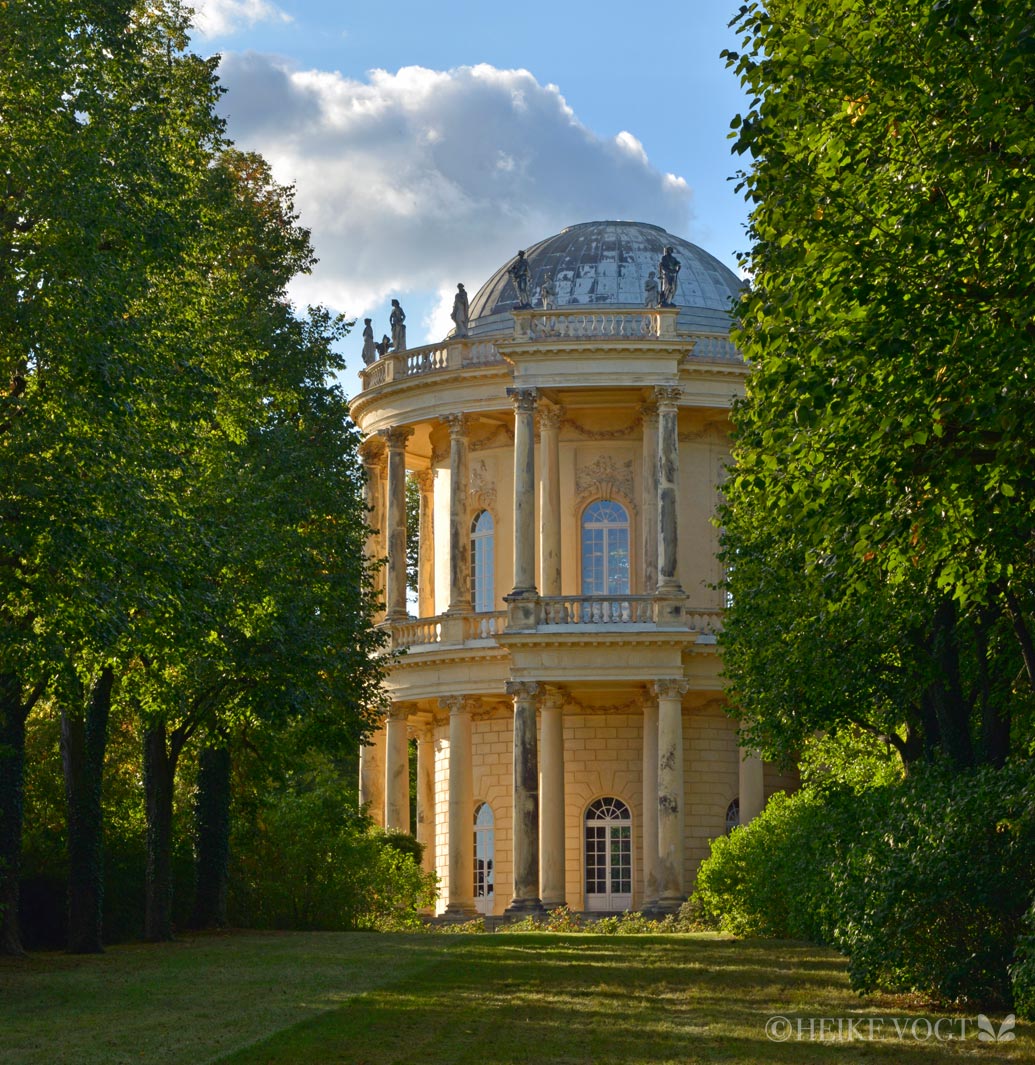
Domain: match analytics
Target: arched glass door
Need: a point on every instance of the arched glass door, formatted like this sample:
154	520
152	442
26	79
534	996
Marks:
608	855
605	549
483	568
484	858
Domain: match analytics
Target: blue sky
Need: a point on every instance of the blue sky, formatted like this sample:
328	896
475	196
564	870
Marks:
428	142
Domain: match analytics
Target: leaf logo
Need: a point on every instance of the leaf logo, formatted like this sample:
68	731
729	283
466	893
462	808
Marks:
988	1033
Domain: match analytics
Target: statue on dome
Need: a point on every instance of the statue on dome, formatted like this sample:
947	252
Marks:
460	311
383	345
548	292
519	275
397	320
668	269
651	297
369	347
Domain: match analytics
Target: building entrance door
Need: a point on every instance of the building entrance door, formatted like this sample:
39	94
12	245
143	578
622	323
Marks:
484	858
608	856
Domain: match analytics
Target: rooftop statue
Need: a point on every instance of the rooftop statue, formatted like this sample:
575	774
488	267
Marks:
460	311
397	320
382	346
650	290
548	293
520	276
669	268
369	347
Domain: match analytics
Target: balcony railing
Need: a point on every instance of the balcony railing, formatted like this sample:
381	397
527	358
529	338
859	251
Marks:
567	323
552	612
432	358
581	323
595	610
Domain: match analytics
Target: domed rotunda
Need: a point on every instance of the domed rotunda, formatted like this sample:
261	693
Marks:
560	677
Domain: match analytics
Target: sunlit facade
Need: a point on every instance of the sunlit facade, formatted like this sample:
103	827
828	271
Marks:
560	677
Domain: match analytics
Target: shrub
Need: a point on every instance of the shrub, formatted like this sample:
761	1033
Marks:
1022	972
932	894
310	860
771	878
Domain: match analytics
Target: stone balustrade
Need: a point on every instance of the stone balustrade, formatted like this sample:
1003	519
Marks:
416	633
569	323
554	610
595	610
707	621
484	626
581	323
431	358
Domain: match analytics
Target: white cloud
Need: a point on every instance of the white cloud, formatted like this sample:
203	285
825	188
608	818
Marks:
217	18
415	180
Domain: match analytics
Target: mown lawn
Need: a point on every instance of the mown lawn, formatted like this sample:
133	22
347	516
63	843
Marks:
364	999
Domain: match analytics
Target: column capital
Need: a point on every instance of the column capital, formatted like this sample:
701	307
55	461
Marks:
550	415
553	698
524	399
649	412
457	704
425	479
397	713
667	397
522	689
372	451
459	425
396	437
670	688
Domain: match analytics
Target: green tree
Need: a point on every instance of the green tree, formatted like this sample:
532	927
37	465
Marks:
881	505
88	161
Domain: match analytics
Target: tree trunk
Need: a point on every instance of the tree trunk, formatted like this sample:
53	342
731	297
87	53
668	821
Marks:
212	838
84	738
160	758
12	797
946	689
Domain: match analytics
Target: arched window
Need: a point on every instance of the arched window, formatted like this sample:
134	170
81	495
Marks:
605	549
483	563
732	816
608	855
484	857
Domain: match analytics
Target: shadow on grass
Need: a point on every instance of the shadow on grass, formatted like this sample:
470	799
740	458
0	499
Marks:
505	1000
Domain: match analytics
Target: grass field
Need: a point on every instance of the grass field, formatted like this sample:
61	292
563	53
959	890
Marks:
365	999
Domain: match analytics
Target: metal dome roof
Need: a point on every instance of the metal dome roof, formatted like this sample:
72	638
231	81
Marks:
607	263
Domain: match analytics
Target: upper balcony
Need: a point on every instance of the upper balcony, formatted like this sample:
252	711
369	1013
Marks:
589	615
578	326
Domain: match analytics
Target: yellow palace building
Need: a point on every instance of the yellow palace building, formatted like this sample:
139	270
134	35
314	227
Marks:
569	438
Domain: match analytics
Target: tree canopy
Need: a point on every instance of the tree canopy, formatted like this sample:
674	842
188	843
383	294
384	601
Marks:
879	516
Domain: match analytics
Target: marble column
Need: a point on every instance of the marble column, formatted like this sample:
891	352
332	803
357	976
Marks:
426	544
650	498
460	889
396	522
650	803
397	773
459	526
668	490
372	776
550	501
524	490
373	497
426	797
751	786
551	816
526	800
671	794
